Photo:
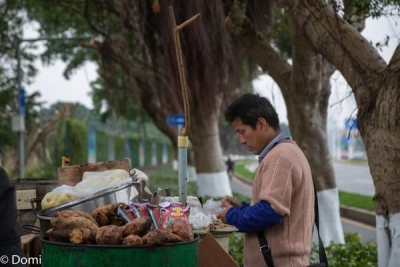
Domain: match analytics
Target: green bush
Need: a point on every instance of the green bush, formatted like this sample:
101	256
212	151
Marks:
236	247
353	253
45	172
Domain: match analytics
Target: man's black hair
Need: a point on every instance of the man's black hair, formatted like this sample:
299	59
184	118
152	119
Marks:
250	107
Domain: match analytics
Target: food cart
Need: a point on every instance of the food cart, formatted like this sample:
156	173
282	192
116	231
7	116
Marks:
75	233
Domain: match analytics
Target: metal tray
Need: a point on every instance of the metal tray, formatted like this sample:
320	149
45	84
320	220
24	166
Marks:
87	204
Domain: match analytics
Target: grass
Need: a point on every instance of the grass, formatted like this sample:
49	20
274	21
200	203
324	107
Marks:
166	177
241	170
356	200
345	198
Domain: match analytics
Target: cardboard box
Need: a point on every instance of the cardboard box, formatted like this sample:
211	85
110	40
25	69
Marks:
211	254
71	175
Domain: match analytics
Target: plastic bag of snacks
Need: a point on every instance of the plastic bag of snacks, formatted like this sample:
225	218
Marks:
171	212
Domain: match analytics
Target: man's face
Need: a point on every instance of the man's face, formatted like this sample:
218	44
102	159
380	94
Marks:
254	139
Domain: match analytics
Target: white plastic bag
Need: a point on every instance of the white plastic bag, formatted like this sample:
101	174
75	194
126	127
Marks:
198	220
94	182
212	207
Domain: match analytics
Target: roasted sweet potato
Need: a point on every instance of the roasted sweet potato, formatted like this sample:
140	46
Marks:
107	214
82	236
117	220
70	219
73	213
109	235
182	229
59	235
100	218
133	241
160	237
139	226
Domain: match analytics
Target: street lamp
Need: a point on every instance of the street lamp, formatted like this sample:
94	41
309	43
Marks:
21	93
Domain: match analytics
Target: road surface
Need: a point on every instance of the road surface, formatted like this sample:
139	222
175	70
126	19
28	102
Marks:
354	179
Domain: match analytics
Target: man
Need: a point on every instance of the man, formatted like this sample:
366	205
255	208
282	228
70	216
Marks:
10	244
230	165
282	205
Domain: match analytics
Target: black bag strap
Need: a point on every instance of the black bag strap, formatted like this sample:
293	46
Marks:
266	250
322	254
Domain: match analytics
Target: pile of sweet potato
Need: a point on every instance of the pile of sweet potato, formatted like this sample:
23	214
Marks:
104	227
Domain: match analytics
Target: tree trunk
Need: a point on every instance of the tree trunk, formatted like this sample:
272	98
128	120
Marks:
307	106
376	87
381	133
212	178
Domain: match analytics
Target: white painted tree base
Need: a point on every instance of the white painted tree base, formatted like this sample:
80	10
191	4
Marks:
330	225
191	173
388	240
214	184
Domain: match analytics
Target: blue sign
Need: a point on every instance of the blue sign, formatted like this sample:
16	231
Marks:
21	101
92	145
351	123
176	120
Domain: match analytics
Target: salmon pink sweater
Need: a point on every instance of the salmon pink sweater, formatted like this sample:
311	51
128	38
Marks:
284	179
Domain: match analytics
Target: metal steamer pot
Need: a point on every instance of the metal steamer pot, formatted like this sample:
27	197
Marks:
87	204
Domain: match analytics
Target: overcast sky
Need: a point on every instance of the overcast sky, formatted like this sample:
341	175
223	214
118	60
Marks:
54	87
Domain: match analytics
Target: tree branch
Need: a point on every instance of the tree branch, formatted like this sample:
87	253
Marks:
339	43
394	63
260	51
86	16
355	15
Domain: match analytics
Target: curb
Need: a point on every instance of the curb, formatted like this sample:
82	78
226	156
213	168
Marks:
352	213
359	215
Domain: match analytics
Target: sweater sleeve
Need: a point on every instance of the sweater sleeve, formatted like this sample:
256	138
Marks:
245	204
253	218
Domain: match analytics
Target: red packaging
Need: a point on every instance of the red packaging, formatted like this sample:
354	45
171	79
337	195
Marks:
169	212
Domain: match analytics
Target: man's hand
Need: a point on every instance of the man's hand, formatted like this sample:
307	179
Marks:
222	215
226	203
231	201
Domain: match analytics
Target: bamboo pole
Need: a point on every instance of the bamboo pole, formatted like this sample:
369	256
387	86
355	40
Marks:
181	67
183	140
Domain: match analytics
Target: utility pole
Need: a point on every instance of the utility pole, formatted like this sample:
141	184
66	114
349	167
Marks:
20	119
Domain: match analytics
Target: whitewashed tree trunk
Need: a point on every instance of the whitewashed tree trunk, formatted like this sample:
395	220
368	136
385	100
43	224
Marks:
388	240
212	178
330	225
